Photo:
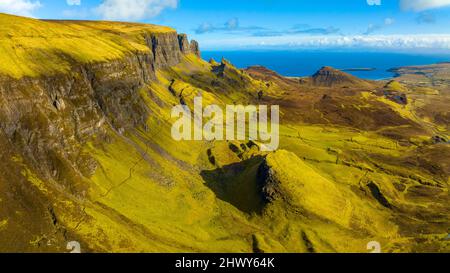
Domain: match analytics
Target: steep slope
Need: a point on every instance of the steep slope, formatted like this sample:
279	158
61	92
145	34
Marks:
33	48
49	114
87	153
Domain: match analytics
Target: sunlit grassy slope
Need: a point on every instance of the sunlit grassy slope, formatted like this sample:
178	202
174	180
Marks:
352	167
31	47
337	188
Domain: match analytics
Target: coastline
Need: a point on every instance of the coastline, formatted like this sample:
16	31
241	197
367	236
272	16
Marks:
369	66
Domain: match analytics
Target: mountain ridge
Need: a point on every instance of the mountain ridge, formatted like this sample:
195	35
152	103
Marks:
57	45
331	77
87	155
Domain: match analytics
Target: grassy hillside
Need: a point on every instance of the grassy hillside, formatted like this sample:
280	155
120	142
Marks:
34	47
339	187
353	166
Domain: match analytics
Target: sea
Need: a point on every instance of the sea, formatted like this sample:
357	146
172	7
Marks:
366	65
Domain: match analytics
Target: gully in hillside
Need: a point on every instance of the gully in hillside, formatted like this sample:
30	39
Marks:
258	128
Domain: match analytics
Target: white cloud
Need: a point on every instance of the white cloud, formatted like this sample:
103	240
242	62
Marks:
133	9
389	21
373	28
376	42
19	7
73	2
421	5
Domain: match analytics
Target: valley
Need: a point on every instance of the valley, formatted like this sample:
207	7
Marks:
87	152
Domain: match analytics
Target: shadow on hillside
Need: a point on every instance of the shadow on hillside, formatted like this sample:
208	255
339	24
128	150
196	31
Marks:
238	185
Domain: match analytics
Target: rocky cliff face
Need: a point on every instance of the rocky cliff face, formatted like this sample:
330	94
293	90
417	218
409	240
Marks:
45	120
188	47
87	153
53	113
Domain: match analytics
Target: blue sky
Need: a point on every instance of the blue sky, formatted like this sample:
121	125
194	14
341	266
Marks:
232	24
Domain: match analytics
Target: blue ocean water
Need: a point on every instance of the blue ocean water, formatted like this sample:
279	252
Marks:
306	63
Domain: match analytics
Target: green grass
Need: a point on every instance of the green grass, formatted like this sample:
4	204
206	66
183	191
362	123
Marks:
151	193
33	47
396	86
323	173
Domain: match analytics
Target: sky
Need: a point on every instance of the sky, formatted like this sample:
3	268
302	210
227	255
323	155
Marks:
385	25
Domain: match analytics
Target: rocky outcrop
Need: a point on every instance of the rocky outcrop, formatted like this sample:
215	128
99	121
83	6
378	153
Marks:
184	43
195	48
268	183
187	47
46	118
165	50
396	92
220	69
